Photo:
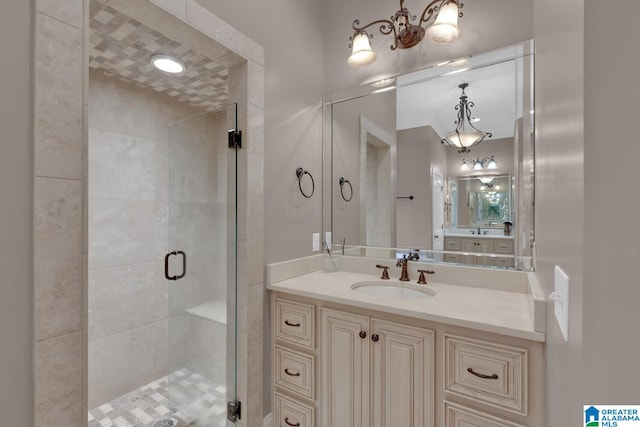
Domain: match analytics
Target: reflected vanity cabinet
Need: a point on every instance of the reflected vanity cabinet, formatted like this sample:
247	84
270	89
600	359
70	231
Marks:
483	245
342	366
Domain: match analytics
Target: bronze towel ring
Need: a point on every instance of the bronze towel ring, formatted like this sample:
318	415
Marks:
342	182
300	173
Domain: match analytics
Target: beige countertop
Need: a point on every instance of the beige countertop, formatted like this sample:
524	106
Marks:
491	310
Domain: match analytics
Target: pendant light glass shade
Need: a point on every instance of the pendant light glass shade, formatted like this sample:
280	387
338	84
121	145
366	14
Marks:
464	139
361	54
445	29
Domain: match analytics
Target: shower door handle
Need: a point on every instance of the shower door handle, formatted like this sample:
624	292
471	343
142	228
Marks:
166	265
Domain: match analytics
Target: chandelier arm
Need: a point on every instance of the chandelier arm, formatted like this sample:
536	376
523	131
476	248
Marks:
386	28
468	113
431	8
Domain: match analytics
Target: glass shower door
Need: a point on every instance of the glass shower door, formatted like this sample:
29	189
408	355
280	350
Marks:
200	268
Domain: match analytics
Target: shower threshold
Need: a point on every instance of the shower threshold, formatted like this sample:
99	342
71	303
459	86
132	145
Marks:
149	406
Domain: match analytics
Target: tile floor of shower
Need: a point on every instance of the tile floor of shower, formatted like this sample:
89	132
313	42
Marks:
150	404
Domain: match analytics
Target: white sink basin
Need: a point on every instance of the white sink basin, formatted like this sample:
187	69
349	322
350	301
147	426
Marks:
393	289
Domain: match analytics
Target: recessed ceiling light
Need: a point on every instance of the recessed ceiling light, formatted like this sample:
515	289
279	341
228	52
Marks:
168	64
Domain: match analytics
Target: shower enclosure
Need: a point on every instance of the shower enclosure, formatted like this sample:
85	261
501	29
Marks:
162	260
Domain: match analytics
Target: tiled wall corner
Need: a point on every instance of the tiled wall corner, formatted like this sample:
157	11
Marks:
69	12
58	374
255	239
58	99
59	220
58	269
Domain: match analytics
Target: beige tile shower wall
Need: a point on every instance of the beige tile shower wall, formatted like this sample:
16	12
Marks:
157	182
58	214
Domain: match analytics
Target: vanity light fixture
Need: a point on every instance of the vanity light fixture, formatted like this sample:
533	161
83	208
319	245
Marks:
465	135
405	33
477	164
168	64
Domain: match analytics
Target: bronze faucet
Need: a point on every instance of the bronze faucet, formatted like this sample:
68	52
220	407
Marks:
404	276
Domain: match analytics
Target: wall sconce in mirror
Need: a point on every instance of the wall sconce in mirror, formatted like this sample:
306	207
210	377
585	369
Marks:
477	164
406	33
342	182
300	173
465	135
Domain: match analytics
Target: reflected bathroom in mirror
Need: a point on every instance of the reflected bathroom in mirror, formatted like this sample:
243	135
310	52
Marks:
410	191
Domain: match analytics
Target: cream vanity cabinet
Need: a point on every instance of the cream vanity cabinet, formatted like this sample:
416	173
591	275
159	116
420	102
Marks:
479	245
341	366
375	372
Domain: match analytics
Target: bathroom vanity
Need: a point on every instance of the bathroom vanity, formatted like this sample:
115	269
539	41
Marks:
350	349
475	244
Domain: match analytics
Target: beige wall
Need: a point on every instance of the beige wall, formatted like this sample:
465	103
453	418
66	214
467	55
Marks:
611	291
419	151
560	200
16	325
380	110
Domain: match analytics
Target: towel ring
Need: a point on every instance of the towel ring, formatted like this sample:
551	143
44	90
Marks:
342	182
300	173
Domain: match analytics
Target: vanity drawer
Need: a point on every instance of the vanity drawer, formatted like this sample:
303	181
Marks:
503	246
453	257
452	244
294	372
503	262
486	372
289	413
294	322
459	416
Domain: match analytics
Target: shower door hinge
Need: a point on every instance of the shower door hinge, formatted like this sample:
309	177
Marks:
233	410
235	139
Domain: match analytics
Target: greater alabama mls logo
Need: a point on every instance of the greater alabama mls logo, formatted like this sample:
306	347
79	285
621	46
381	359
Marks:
611	416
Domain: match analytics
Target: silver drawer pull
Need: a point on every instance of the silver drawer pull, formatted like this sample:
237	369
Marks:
295	325
286	371
286	420
486	377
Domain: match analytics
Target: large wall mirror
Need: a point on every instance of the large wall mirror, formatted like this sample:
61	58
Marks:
392	186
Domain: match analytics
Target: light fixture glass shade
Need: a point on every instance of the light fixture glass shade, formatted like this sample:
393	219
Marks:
361	54
168	64
486	180
445	29
477	166
464	167
492	164
464	139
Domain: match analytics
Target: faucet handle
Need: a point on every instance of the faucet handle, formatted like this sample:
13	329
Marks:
385	271
421	279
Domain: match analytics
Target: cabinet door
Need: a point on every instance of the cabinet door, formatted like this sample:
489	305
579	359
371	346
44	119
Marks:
479	246
345	369
403	375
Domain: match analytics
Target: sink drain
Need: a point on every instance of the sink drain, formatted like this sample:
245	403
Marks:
165	423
